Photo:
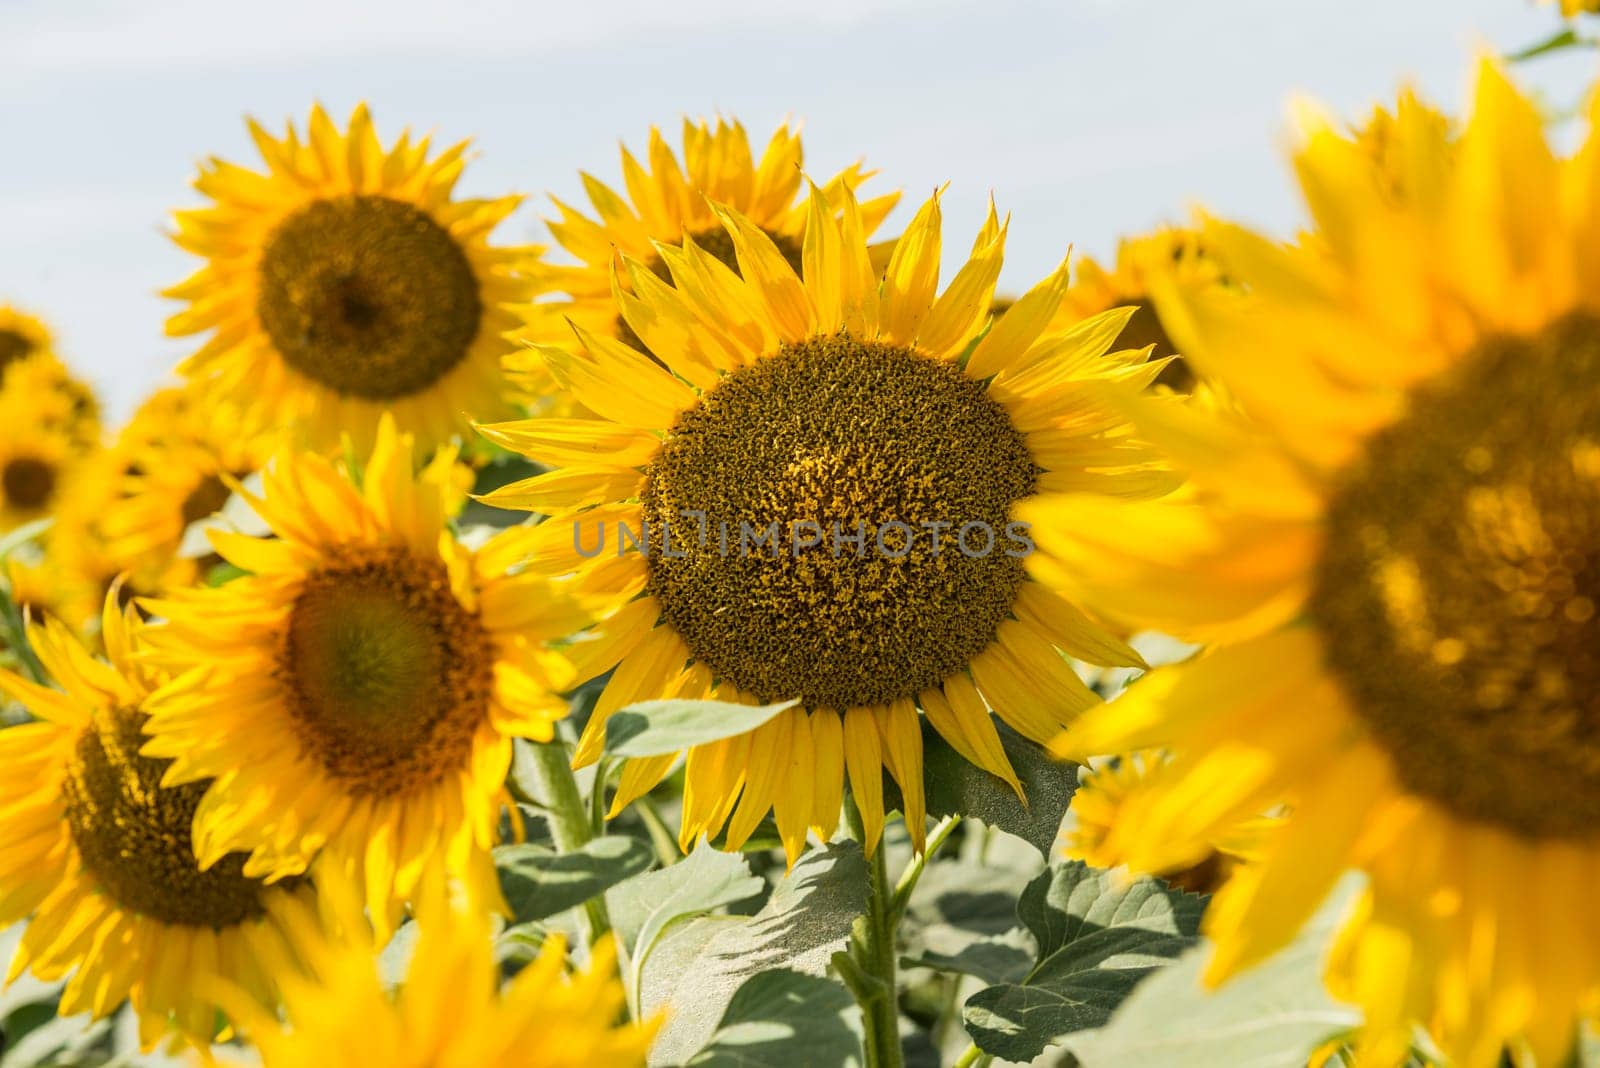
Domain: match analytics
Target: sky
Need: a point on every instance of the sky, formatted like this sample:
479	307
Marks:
1086	119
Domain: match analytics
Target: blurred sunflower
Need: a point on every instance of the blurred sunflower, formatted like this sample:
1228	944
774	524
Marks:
450	1010
666	202
1392	136
833	403
1400	554
357	693
39	586
179	452
60	400
346	281
1127	284
21	335
1108	790
36	458
30	369
98	855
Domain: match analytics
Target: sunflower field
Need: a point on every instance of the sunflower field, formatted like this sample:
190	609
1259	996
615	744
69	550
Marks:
743	631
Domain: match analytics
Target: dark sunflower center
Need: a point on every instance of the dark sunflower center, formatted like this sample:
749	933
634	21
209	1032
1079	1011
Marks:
13	347
206	499
388	676
134	835
1145	328
368	296
28	482
717	242
1459	585
856	500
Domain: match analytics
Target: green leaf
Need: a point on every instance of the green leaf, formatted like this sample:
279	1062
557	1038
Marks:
782	1018
1556	42
963	919
997	959
56	1039
538	883
656	728
955	787
1271	1016
643	908
1097	939
518	945
805	921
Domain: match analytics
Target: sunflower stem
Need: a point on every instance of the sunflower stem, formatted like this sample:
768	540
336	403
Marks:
973	1058
568	815
661	839
909	878
872	948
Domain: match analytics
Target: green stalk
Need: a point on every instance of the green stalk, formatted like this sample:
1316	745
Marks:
666	846
973	1058
569	816
872	952
913	873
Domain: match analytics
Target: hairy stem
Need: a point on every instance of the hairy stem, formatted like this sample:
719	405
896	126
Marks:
570	824
872	948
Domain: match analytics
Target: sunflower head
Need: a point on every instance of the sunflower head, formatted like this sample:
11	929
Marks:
1108	801
57	398
356	694
21	335
103	866
668	201
179	457
38	458
1127	284
1394	540
31	371
817	481
347	280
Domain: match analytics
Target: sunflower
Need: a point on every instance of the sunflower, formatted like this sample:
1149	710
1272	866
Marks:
1110	788
37	455
1397	556
39	586
853	448
30	369
450	1010
357	693
346	281
21	335
667	202
179	452
1127	284
58	399
98	859
1389	137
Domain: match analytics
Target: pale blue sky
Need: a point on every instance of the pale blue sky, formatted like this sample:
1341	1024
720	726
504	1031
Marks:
1087	118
